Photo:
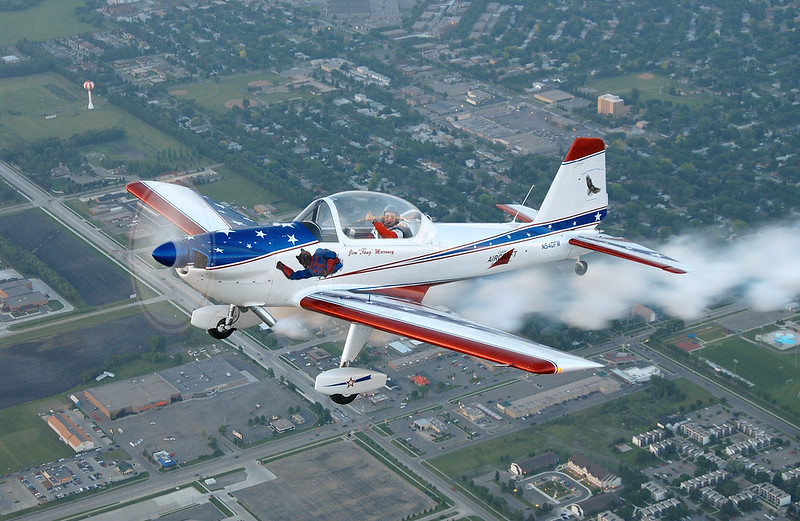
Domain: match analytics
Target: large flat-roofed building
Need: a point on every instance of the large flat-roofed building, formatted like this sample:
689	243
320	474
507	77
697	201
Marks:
132	396
536	403
204	377
70	433
611	105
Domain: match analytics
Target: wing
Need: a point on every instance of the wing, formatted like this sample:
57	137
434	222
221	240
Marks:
443	329
625	249
188	210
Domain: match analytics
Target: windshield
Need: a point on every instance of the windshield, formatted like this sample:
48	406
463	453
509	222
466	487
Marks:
358	215
358	212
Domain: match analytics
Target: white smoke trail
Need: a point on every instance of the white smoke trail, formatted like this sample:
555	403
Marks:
760	269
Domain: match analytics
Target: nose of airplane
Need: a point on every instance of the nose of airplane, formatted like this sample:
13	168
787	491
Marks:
172	254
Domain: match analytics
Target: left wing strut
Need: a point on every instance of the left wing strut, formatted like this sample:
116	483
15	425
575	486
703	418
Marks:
420	322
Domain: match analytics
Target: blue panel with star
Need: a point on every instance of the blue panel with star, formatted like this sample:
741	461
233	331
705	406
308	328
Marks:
227	247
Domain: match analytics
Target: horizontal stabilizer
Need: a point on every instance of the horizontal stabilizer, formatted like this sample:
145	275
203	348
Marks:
625	249
186	209
424	323
520	212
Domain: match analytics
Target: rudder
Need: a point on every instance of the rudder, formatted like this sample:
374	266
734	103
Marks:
579	186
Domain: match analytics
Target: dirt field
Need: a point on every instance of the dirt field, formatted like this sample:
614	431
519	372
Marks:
50	366
338	482
97	281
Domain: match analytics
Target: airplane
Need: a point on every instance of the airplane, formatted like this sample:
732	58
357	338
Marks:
336	258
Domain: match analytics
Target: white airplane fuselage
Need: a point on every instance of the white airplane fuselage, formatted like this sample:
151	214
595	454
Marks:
453	252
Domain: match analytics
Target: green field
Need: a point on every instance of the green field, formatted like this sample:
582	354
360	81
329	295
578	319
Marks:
26	440
26	102
46	21
239	191
591	431
774	373
214	94
657	87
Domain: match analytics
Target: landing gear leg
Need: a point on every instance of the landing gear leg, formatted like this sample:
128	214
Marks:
581	267
225	327
356	338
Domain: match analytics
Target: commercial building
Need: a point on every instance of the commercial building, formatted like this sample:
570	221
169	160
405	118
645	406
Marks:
522	468
70	433
132	396
536	403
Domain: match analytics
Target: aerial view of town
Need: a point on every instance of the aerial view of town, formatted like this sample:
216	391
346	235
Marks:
113	406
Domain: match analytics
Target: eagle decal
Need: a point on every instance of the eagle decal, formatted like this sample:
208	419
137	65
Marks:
592	189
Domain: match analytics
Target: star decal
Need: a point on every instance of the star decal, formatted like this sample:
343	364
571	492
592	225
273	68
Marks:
260	234
598	216
291	238
350	382
249	246
217	250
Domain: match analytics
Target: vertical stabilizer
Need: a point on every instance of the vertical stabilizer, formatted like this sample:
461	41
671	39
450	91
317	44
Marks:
580	183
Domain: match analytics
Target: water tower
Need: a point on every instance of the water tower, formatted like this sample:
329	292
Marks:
88	86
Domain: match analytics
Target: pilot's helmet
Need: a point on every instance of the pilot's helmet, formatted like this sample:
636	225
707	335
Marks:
390	208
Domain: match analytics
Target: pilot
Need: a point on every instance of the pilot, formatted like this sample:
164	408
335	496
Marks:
390	225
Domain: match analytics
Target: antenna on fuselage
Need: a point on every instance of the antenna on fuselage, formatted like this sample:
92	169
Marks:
523	202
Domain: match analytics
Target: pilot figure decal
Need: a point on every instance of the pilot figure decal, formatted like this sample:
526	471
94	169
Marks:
323	263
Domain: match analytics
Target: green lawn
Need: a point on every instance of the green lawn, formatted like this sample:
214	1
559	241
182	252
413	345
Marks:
26	440
46	21
213	94
772	372
27	102
239	191
657	87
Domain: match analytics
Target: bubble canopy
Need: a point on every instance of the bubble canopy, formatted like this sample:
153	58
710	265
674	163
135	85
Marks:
350	214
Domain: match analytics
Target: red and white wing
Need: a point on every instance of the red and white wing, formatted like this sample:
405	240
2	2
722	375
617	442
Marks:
185	208
625	249
440	328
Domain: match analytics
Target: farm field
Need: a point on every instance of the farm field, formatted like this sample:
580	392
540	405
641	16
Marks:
38	374
219	95
96	280
46	21
25	103
651	86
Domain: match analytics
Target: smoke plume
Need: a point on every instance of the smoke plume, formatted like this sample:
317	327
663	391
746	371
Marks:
759	269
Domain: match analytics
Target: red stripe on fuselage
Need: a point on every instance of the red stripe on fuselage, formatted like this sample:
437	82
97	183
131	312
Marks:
439	338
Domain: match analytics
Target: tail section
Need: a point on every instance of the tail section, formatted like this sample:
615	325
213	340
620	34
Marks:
579	187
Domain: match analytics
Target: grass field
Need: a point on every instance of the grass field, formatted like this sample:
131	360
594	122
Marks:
591	431
213	95
49	20
777	374
237	190
651	86
25	103
26	440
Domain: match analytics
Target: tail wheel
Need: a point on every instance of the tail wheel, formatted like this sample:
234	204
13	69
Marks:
581	267
342	399
221	332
